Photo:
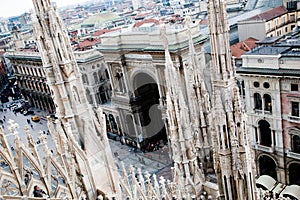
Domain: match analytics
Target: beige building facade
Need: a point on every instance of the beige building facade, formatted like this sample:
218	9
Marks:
276	22
31	79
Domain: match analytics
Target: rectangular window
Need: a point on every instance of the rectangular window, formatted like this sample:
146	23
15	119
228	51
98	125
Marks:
294	87
292	26
292	17
295	109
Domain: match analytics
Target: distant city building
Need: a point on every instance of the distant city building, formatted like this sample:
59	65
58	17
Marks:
137	4
135	61
30	76
238	49
3	79
275	22
3	27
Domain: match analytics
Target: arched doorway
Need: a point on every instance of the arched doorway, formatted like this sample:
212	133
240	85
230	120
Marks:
267	166
145	102
265	133
294	174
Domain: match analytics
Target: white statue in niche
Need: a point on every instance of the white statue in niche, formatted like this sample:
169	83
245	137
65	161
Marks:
75	95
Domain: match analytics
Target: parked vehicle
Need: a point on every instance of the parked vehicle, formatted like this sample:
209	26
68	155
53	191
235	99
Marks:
113	136
35	118
28	112
129	141
53	116
18	108
11	105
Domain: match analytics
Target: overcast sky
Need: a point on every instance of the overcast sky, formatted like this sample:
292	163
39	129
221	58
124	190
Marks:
16	7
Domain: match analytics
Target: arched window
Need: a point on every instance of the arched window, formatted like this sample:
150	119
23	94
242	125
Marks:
85	79
265	133
267	166
88	96
106	74
95	77
268	102
100	75
296	143
257	101
103	97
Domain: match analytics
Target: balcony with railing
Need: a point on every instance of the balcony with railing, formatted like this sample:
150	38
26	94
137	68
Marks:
264	148
294	118
293	155
262	112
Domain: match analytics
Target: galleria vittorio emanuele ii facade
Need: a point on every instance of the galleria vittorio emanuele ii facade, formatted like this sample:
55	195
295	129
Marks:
199	111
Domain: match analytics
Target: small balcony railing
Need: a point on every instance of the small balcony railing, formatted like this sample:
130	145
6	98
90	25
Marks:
264	148
293	155
294	118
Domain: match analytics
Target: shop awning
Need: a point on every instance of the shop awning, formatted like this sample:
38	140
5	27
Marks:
266	181
292	190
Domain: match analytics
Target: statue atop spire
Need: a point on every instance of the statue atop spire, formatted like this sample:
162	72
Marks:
222	66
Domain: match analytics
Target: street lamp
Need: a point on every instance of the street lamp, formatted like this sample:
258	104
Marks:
205	196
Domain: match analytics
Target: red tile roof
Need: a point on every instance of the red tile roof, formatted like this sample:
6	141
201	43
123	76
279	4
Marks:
143	14
238	49
88	43
146	21
271	14
103	31
203	22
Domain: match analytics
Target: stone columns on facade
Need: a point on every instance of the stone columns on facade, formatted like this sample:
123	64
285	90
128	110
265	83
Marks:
110	72
273	139
125	80
136	129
